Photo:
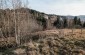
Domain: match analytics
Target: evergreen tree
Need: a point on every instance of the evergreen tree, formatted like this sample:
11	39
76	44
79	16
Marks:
65	23
41	20
84	25
79	22
75	20
57	23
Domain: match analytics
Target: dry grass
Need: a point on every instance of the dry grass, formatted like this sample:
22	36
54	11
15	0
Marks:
52	42
7	41
67	33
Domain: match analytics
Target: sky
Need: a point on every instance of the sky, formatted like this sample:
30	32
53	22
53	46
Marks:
59	7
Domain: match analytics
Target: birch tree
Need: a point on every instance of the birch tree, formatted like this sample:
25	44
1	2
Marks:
25	3
1	4
2	16
13	2
17	4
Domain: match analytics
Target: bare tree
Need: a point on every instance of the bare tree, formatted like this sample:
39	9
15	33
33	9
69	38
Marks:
13	2
1	4
25	3
81	31
17	15
17	4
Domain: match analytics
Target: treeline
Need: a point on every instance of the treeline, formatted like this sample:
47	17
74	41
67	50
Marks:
22	21
59	21
69	23
19	22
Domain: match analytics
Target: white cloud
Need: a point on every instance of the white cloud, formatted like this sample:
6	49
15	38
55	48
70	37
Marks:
61	7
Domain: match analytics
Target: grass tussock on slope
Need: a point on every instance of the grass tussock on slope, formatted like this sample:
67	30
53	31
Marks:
52	42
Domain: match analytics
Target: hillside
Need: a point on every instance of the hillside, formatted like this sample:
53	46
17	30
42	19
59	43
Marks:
24	20
28	32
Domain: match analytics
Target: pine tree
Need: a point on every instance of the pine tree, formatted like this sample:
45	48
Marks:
57	23
65	23
75	20
84	25
78	21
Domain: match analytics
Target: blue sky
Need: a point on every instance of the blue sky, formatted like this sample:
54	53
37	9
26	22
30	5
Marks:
59	7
